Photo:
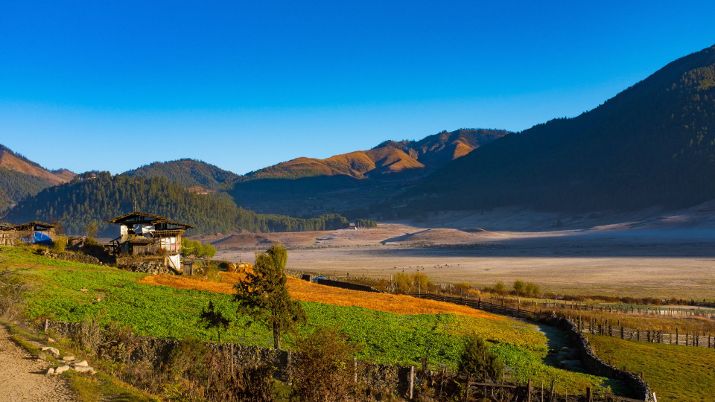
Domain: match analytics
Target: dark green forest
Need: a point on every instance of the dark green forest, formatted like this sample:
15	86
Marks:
98	199
188	173
15	186
651	145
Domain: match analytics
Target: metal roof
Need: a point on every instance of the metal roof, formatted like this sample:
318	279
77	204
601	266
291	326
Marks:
145	217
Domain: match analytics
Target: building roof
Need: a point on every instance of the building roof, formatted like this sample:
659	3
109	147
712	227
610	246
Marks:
6	226
32	225
136	217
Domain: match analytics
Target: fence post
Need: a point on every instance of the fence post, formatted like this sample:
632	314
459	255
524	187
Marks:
47	325
528	391
677	336
588	395
412	382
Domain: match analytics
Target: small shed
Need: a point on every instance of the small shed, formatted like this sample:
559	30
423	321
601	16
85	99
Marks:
34	232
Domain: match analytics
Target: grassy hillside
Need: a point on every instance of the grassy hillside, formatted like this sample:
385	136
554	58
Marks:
652	144
56	291
101	197
676	373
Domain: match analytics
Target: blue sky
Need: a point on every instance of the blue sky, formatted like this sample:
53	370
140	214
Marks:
112	85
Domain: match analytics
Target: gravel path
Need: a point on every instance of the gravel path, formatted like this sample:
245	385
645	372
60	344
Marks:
22	377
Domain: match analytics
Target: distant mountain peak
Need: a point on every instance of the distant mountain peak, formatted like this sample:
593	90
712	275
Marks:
11	160
388	157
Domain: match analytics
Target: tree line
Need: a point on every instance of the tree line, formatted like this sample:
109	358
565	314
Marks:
98	198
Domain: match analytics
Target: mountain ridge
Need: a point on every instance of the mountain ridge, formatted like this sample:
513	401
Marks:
388	157
651	144
194	174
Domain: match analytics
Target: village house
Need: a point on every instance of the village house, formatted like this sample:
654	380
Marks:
26	233
148	235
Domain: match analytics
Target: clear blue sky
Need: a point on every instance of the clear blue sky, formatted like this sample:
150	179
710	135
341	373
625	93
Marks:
111	85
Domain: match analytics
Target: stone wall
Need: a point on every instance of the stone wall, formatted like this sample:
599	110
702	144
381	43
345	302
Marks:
599	367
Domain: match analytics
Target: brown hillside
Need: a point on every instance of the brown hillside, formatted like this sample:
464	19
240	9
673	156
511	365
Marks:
389	157
11	161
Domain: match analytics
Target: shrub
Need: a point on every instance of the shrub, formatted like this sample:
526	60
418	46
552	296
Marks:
526	289
478	362
59	243
197	249
324	367
11	290
411	283
212	318
499	288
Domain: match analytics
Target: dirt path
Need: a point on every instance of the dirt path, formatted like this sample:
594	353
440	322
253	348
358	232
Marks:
22	377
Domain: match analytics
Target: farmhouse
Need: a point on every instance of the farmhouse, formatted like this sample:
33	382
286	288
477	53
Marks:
148	235
28	233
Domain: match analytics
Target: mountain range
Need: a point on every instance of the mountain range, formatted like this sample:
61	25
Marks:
390	157
653	144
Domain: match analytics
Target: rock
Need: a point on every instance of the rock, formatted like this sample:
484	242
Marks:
50	371
83	363
82	369
68	358
83	290
53	351
50	340
61	369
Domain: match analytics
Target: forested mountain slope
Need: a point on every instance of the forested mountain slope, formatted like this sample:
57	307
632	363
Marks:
189	173
97	198
353	182
651	145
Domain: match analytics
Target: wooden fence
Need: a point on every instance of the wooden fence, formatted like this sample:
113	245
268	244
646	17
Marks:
588	357
607	327
616	329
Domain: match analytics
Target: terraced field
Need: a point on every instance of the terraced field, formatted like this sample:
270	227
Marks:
395	331
312	292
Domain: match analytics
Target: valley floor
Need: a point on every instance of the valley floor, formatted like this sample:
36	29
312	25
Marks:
669	255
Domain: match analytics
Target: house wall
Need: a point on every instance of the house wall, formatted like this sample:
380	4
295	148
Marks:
171	244
9	238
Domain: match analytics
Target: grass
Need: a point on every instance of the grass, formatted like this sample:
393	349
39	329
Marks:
72	292
675	373
312	292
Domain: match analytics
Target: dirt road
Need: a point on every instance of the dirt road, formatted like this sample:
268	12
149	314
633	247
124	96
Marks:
22	377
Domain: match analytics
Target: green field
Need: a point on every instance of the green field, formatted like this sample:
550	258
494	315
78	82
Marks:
72	292
675	373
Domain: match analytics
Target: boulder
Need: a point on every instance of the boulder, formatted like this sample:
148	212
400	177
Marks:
82	369
50	371
54	351
68	359
61	369
83	363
